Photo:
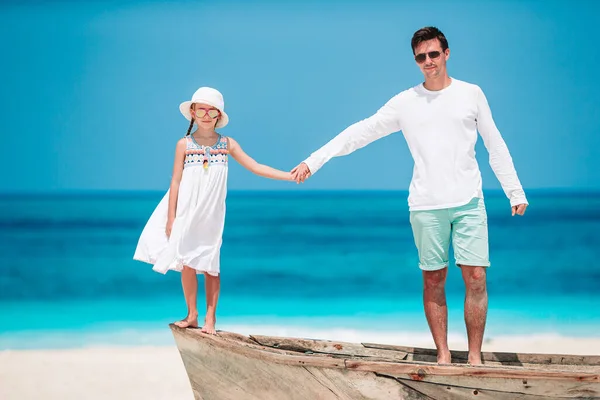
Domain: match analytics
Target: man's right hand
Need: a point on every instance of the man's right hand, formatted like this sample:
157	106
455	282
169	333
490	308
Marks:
301	173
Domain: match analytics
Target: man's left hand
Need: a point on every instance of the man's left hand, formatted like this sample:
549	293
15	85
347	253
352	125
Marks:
519	209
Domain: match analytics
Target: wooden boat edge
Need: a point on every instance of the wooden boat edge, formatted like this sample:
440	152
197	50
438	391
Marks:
246	346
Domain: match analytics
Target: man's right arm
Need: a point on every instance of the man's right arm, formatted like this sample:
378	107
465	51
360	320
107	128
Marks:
358	135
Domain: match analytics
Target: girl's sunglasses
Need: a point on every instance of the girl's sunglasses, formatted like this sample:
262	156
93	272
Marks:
421	57
212	112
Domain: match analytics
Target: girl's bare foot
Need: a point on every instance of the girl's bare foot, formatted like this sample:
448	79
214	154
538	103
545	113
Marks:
190	321
209	326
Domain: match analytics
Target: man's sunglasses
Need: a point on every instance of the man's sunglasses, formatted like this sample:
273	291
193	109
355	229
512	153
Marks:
421	57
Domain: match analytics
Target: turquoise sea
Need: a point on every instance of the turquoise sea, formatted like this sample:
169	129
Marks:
319	264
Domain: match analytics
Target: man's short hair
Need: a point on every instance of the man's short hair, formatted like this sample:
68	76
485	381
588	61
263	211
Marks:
428	33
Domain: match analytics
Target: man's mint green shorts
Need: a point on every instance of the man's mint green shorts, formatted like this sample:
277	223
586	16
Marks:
466	226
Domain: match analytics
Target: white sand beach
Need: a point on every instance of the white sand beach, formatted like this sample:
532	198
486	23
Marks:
146	373
151	373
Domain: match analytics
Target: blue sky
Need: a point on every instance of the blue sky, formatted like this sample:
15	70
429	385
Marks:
91	90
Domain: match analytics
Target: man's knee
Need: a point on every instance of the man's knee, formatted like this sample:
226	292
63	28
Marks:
475	278
434	279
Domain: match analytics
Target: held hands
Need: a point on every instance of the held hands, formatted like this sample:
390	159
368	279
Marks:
300	173
519	209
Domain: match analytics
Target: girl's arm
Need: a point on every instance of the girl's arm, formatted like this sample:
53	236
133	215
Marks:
251	165
175	180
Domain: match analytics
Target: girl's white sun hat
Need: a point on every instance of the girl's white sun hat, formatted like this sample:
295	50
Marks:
210	96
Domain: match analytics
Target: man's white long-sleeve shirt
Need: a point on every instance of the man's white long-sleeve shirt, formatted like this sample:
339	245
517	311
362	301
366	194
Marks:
440	128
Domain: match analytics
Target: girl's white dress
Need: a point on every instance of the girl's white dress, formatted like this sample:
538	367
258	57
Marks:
197	231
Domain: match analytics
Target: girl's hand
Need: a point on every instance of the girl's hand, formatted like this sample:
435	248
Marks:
290	177
169	227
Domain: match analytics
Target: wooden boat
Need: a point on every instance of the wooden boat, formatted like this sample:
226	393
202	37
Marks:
233	366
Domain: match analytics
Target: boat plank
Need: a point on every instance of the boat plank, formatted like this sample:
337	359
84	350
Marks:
445	392
470	370
540	383
429	355
328	347
535	387
367	385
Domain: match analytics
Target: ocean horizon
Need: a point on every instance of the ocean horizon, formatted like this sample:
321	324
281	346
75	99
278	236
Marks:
321	264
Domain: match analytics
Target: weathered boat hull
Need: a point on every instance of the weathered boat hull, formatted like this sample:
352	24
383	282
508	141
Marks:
231	366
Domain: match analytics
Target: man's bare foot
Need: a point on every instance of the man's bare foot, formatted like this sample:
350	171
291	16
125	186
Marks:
188	322
475	359
444	357
209	326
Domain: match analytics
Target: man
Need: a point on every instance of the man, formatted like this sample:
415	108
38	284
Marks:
439	119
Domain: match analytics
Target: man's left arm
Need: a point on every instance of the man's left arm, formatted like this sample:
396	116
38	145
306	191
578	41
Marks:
500	158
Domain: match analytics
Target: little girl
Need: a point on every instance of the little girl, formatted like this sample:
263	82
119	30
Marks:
184	233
